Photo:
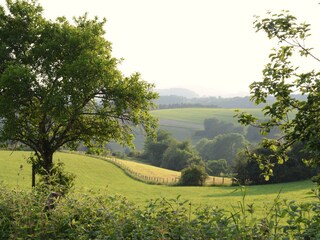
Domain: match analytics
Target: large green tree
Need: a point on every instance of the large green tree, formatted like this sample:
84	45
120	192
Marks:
179	156
224	146
287	73
59	84
214	127
154	148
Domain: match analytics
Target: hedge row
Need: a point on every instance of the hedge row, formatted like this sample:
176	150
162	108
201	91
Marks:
25	215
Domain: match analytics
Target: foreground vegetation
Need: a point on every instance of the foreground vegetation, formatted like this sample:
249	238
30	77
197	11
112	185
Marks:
25	215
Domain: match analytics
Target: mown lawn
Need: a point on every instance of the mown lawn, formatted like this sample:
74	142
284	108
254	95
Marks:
98	174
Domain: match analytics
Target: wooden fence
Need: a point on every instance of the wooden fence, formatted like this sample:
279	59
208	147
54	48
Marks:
212	180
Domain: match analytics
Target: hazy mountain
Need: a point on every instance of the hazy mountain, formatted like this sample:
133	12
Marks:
181	92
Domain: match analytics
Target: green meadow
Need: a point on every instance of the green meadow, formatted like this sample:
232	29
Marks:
99	175
183	122
195	116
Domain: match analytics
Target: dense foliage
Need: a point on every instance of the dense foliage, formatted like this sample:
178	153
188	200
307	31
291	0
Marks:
217	167
248	171
224	146
194	175
154	148
59	85
283	77
225	154
167	152
214	127
98	216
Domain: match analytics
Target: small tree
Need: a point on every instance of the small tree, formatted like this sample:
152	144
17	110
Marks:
282	79
194	175
59	85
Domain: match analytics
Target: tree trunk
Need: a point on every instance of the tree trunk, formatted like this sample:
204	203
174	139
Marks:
48	162
47	159
33	181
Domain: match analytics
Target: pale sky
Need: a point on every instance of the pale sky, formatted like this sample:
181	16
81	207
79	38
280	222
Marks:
207	46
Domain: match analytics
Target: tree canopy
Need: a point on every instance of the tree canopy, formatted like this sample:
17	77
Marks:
60	85
214	127
282	78
223	146
154	148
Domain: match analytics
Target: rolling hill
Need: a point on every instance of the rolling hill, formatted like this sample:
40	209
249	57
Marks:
96	174
183	122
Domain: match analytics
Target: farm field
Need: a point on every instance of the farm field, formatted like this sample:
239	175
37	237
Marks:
95	174
183	122
194	117
152	174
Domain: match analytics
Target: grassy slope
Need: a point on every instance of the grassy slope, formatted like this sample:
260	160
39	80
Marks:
162	175
98	174
183	122
194	117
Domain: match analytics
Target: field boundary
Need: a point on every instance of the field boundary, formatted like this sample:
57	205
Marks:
211	181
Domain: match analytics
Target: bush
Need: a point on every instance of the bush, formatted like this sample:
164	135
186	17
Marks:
248	169
59	180
195	175
95	215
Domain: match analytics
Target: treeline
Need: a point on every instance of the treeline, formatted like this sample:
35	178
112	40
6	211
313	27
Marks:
185	105
223	149
173	101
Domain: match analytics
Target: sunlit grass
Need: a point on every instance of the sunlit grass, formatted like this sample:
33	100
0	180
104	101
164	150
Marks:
195	116
97	174
159	175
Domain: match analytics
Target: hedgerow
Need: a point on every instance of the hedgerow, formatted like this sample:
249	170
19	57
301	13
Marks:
97	215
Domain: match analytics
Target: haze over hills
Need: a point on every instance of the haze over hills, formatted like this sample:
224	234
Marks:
182	92
182	98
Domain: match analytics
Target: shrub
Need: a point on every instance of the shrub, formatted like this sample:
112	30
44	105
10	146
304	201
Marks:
194	175
95	215
59	180
248	169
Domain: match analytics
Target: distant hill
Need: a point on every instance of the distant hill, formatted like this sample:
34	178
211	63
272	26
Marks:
174	101
181	92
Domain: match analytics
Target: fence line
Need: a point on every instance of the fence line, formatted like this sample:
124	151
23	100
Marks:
139	176
155	180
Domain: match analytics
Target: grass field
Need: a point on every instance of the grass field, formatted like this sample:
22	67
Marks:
97	174
152	174
183	122
193	117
